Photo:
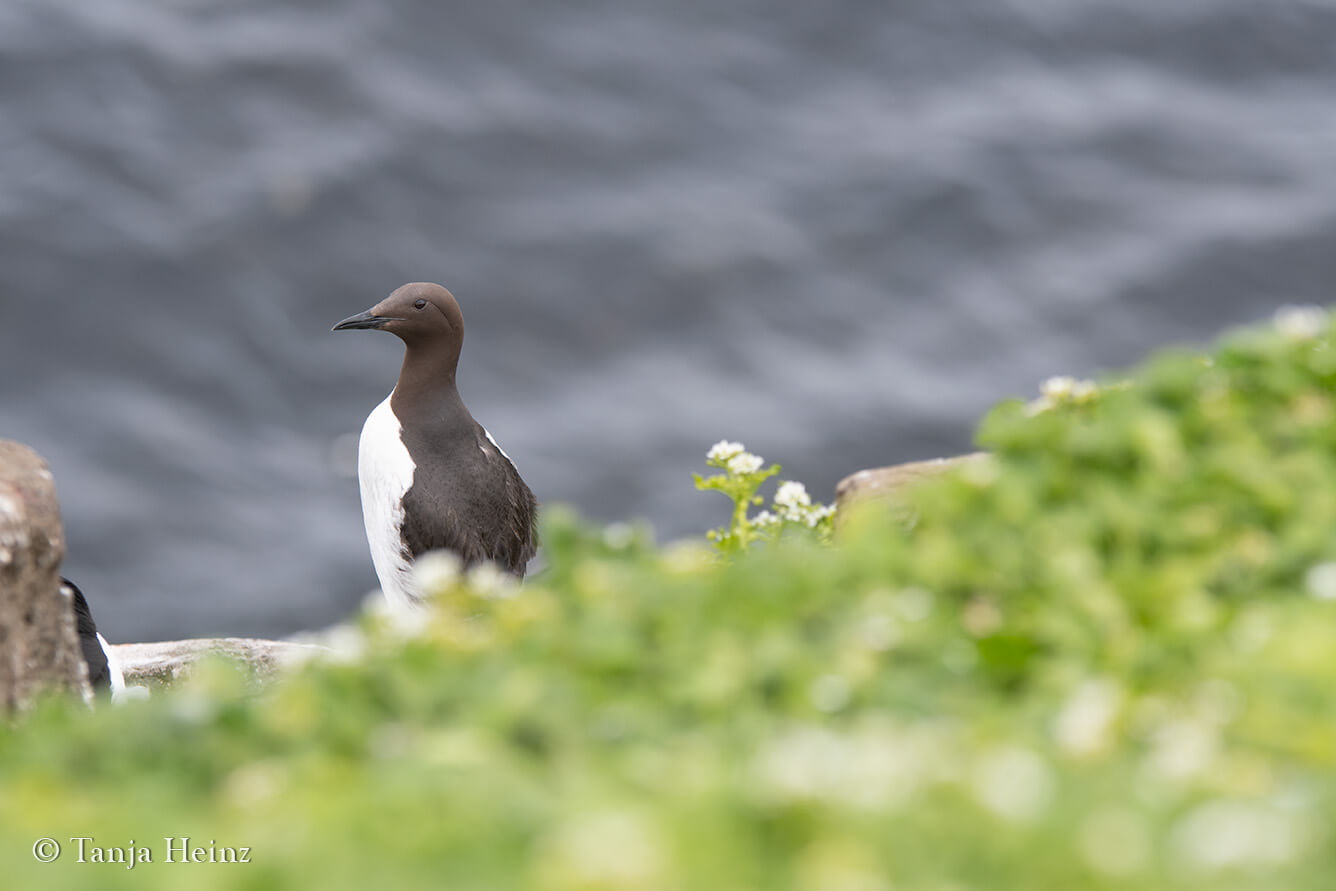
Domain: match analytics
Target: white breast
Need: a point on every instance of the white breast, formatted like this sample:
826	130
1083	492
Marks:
385	473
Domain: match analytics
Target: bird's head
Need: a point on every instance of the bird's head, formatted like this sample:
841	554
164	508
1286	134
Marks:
417	313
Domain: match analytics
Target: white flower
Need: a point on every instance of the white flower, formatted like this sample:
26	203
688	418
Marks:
792	495
723	450
872	768
744	463
914	604
406	623
1223	834
490	581
765	518
192	705
1084	390
1014	783
1056	388
1060	390
435	571
795	505
619	536
878	632
1183	748
608	849
1321	581
1086	720
1301	322
347	643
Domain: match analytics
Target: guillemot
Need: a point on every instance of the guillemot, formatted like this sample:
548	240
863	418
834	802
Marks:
104	671
431	477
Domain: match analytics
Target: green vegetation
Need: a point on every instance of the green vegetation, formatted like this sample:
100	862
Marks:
1105	658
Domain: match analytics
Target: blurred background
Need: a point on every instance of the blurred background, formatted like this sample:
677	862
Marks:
837	232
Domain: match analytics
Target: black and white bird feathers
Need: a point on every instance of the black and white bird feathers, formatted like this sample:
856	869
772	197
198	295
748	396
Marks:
104	672
432	477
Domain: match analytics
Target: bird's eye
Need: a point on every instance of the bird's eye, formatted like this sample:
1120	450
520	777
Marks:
420	304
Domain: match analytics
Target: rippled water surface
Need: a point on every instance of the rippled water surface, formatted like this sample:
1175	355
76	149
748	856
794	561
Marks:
837	232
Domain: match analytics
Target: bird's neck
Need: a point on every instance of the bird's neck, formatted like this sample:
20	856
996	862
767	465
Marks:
428	378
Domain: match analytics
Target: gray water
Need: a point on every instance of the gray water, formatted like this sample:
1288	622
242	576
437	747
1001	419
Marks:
837	232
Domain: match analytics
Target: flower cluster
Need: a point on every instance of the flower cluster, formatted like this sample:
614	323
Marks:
1063	390
1302	322
722	450
794	505
733	457
743	474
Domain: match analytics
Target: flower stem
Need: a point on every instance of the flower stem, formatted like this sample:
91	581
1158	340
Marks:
741	528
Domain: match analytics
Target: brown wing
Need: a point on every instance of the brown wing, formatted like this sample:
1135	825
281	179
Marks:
487	513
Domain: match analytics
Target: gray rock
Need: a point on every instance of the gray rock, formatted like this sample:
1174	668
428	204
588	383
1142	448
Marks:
165	662
39	642
888	485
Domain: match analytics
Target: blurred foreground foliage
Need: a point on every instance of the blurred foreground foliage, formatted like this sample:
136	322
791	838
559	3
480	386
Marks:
1105	658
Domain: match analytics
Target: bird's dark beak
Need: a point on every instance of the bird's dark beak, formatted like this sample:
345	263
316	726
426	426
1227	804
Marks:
364	320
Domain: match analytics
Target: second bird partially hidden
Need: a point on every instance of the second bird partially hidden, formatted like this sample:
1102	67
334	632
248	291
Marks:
431	476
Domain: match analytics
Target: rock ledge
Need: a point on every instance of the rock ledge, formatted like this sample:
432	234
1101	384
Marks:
165	662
